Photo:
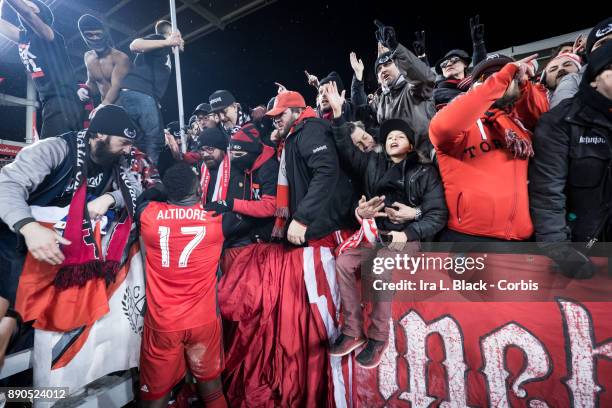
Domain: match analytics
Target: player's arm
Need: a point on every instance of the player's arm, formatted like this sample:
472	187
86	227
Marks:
40	29
7	30
120	70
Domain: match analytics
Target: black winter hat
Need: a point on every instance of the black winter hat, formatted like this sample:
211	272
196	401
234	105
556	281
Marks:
598	61
382	59
114	121
220	100
465	57
390	125
491	64
333	77
599	31
246	140
174	128
202	108
213	137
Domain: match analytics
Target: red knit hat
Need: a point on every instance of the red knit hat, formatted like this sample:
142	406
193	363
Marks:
246	140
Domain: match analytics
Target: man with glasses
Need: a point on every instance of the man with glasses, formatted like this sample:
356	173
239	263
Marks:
205	116
452	68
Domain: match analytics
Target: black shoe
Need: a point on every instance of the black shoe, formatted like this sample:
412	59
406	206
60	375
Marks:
371	355
345	345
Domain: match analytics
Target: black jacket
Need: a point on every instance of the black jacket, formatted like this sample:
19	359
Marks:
245	189
321	194
410	182
570	180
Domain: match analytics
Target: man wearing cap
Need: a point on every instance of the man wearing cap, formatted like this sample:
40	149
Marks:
106	66
44	55
483	142
453	67
407	85
569	84
313	192
350	107
231	115
205	116
251	193
49	173
144	86
570	176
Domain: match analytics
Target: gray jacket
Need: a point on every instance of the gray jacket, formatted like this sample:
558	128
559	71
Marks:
567	88
411	99
22	177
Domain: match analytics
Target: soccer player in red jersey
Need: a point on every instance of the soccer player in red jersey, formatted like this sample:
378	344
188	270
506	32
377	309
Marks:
182	244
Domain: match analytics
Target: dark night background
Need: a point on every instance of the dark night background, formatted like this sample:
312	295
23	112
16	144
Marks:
276	44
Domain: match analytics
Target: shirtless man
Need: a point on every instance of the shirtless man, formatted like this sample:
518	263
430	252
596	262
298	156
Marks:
106	66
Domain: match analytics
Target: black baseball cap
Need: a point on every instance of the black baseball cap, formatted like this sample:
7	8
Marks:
220	100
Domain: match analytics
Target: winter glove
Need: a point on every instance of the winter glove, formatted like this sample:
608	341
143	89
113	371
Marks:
569	261
386	35
220	207
477	30
419	43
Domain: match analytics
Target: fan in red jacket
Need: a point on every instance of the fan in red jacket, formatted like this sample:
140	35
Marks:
483	143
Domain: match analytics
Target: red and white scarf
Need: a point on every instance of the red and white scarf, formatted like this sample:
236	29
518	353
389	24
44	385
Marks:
367	231
282	185
84	260
221	183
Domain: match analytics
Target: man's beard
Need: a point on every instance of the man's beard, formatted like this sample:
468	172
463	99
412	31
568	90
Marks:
212	163
285	131
102	155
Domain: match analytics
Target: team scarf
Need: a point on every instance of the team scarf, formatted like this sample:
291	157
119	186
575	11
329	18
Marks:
367	231
282	185
221	183
517	137
243	119
84	259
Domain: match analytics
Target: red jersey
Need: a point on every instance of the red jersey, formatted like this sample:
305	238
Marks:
183	246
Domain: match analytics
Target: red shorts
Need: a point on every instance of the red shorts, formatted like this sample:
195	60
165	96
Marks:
164	357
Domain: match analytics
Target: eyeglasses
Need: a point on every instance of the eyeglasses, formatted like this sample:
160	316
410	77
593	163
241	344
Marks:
449	62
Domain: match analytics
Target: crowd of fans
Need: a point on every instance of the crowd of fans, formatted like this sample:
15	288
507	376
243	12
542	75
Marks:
480	148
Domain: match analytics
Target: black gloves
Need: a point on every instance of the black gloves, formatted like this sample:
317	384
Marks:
569	261
477	30
220	207
419	43
386	35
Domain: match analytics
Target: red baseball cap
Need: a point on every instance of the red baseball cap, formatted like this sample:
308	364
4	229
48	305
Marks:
284	100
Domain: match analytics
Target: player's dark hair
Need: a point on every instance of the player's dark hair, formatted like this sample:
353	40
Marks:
180	181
